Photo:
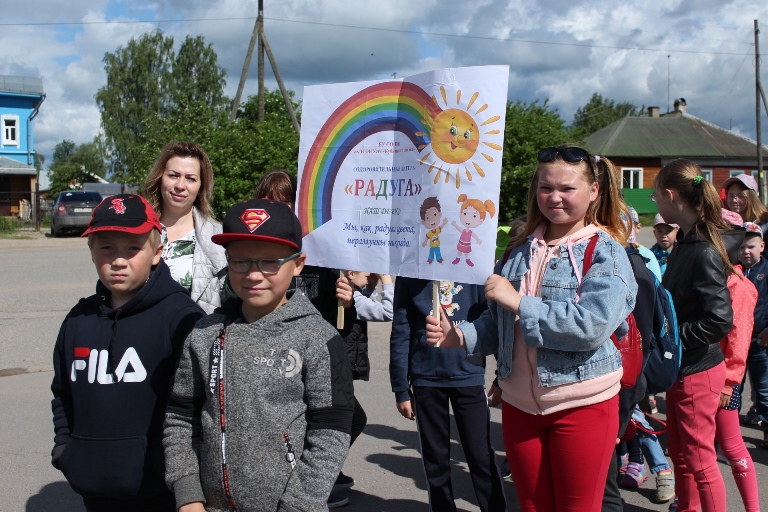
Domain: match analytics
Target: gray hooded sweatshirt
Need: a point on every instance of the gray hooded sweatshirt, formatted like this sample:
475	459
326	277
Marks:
287	389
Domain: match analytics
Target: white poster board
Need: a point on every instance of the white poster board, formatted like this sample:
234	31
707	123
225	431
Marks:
402	176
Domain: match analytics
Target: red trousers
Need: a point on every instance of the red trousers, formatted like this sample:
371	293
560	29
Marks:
559	461
692	404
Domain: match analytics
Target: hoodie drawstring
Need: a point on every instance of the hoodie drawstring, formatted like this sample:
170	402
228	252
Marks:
112	357
574	264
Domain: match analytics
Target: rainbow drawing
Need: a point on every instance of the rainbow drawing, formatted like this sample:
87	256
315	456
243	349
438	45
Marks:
387	106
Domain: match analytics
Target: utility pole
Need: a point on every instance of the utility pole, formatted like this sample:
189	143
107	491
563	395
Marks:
668	84
247	64
260	63
279	79
758	90
260	36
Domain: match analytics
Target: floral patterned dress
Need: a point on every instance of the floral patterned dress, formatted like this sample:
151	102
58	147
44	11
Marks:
178	256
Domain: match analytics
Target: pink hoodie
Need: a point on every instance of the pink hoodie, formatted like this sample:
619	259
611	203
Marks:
521	388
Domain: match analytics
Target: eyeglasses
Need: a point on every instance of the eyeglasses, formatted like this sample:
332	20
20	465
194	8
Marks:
740	195
570	154
268	267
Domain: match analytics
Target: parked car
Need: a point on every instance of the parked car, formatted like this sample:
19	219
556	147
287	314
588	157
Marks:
72	211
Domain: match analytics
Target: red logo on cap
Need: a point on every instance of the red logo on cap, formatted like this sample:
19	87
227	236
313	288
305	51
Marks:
118	206
253	218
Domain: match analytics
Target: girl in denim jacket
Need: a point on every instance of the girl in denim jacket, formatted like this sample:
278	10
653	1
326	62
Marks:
551	327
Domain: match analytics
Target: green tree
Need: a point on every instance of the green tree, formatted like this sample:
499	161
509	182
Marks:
147	78
598	113
274	109
74	165
529	127
196	76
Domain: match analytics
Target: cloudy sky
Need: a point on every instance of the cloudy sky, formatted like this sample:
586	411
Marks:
559	50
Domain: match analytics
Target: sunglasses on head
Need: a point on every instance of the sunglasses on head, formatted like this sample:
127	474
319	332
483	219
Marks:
571	154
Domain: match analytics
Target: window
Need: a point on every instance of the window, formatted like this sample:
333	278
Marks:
736	172
632	177
10	124
707	173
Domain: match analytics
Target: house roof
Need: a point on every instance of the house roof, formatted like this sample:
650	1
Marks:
11	166
674	135
22	85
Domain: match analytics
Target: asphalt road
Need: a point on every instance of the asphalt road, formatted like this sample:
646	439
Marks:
42	278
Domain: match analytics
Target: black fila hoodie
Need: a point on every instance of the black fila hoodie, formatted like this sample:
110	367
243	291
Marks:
108	435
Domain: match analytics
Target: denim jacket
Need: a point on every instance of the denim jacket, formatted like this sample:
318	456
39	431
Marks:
572	337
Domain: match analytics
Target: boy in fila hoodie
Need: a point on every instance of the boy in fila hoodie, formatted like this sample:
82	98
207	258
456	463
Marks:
261	405
113	363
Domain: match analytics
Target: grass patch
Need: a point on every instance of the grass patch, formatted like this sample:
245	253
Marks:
646	219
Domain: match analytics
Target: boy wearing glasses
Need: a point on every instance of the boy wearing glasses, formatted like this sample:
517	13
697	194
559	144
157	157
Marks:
261	405
113	363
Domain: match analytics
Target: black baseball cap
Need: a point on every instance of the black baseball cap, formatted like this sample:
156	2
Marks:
127	213
260	219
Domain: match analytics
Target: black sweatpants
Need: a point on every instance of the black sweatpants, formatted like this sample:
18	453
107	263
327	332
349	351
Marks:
359	421
470	410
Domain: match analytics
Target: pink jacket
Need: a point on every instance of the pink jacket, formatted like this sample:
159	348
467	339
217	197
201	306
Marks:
735	345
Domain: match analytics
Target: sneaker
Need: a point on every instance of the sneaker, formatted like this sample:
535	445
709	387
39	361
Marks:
673	506
665	486
343	482
624	462
751	419
336	501
635	475
506	474
652	404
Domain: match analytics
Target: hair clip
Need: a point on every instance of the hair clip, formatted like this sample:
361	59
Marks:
597	159
697	181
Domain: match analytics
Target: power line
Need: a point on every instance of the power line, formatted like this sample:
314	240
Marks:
379	29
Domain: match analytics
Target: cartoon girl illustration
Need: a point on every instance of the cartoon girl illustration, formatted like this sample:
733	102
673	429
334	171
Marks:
472	215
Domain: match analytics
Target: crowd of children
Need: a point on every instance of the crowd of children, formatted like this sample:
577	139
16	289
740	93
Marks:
252	407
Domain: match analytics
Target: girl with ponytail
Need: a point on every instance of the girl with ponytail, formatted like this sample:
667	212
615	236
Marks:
696	276
550	324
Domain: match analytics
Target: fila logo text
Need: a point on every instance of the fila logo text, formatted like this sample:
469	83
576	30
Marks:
95	362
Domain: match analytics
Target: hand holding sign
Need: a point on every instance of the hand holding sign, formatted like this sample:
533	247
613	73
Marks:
442	333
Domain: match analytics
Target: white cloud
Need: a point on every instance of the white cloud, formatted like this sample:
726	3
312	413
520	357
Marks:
590	50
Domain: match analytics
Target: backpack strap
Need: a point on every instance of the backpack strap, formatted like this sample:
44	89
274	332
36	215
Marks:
662	430
586	264
589	255
505	257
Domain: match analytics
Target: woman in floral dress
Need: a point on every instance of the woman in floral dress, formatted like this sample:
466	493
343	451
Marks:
179	187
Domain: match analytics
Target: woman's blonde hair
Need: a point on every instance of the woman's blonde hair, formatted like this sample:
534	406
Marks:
684	177
604	212
151	188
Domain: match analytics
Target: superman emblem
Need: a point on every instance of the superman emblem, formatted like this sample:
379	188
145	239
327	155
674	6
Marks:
253	218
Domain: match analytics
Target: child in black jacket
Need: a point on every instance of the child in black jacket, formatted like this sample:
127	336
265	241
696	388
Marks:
113	362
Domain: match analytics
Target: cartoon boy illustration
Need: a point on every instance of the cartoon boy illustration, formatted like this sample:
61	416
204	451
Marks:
430	218
472	215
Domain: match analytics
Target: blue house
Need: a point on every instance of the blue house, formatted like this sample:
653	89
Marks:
20	100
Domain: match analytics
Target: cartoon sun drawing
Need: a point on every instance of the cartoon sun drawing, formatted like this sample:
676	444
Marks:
456	136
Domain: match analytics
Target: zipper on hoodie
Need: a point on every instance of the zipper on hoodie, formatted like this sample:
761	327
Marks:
537	291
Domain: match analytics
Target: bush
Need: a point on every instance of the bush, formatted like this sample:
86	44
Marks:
8	224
